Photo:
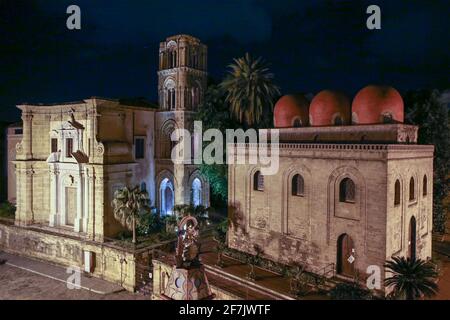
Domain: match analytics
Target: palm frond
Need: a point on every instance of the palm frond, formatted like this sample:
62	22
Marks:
411	278
249	88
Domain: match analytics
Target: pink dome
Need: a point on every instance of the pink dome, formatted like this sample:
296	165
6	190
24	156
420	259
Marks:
291	111
329	108
377	104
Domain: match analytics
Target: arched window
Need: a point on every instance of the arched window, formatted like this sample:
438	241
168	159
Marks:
387	118
172	59
338	121
297	123
425	186
166	193
143	186
412	192
171	99
397	193
298	185
196	192
166	144
258	181
347	190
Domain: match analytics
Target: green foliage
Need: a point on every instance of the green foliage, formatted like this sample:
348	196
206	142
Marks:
250	91
217	175
215	114
128	207
425	109
214	111
149	223
7	210
350	291
220	232
411	278
198	212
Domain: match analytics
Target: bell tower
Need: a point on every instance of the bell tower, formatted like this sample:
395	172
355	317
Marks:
182	73
182	81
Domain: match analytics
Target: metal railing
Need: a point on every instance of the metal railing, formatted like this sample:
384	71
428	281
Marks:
329	271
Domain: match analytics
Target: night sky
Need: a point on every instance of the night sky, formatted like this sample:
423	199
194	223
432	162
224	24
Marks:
311	45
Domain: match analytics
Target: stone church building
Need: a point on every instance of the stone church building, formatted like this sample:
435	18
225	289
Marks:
353	187
72	157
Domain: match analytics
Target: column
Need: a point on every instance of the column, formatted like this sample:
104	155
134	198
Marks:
24	216
86	201
27	118
78	225
53	219
179	180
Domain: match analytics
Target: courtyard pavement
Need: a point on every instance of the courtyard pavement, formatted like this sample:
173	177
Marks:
24	278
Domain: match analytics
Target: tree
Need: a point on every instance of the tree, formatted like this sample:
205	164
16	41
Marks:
128	205
250	91
411	278
214	113
426	109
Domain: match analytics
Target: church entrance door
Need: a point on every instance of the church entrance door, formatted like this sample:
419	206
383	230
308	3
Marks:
345	256
412	239
71	205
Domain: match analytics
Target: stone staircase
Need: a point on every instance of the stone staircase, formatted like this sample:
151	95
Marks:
272	294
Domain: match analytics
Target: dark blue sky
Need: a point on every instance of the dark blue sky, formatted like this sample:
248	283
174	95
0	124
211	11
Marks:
311	45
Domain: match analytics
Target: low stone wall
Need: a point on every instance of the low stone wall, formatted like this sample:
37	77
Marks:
110	263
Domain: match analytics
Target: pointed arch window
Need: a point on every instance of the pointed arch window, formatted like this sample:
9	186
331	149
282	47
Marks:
171	99
397	193
425	186
172	59
412	192
347	190
258	181
298	185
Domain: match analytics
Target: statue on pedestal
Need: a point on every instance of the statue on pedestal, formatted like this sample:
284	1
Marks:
188	280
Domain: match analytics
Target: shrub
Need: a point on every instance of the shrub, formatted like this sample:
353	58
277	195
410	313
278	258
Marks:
350	291
7	210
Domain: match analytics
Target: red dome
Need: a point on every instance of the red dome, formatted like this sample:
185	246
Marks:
377	104
291	111
329	108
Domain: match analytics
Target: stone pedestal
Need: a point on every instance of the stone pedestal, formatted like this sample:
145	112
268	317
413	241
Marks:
188	284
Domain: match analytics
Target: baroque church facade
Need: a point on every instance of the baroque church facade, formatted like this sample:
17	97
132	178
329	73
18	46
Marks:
72	157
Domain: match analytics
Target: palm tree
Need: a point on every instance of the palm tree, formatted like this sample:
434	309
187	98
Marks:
128	205
249	89
411	278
